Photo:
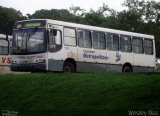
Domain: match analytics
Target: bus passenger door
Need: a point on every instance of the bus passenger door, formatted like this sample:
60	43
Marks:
70	47
55	48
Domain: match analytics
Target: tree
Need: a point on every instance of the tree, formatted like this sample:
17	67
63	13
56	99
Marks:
77	11
62	14
8	16
143	17
93	18
140	16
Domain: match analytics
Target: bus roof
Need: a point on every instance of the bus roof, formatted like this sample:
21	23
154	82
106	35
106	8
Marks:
94	28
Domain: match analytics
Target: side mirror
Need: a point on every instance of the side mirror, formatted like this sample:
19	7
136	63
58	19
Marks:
51	34
54	37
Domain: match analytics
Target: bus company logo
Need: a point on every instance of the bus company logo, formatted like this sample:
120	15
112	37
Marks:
92	55
118	57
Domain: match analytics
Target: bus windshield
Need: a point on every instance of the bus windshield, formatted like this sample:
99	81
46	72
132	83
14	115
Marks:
28	41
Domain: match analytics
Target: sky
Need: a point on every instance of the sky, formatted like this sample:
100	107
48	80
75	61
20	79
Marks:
30	6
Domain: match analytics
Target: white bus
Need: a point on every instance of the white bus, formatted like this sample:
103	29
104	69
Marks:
5	58
50	45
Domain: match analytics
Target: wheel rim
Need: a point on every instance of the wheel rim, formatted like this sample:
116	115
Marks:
67	69
127	69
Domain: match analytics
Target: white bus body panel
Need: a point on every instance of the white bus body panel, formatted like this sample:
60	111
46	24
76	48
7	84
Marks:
90	60
114	60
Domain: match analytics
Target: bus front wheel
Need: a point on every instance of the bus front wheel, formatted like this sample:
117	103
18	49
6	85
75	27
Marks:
127	68
68	67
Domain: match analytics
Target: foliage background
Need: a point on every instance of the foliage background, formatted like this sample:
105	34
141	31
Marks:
139	16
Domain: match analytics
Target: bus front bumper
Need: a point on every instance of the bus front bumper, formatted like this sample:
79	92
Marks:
29	67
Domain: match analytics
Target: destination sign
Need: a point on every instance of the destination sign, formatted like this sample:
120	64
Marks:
30	24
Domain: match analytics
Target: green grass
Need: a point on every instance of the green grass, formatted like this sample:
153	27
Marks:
82	94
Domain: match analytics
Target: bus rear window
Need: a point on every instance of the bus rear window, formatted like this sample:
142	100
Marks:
148	46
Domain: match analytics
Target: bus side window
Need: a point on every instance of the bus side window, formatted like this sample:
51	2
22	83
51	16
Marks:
112	42
137	45
125	43
148	46
69	36
99	40
84	38
4	47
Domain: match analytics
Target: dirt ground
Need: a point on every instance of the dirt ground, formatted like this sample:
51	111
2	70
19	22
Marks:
6	70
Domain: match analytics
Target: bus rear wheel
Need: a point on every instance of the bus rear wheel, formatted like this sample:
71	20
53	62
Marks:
127	69
68	67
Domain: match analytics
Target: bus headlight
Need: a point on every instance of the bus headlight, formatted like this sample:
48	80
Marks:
14	62
44	60
41	61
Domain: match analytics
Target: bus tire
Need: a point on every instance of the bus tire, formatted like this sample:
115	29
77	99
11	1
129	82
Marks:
127	69
68	67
